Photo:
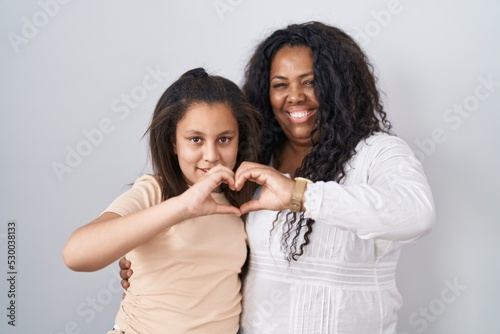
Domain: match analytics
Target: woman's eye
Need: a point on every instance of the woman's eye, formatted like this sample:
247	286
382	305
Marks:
309	82
279	85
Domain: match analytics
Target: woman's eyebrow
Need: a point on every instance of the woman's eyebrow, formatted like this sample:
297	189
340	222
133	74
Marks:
280	77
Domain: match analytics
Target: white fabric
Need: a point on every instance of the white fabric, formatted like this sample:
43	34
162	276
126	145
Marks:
345	281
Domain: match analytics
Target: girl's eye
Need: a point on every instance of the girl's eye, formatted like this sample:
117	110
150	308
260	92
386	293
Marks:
225	140
195	140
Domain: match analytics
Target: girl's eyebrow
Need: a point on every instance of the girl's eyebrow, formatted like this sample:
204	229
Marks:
228	132
280	77
201	133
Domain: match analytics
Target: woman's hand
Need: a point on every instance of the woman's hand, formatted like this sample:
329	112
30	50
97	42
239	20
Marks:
125	272
276	191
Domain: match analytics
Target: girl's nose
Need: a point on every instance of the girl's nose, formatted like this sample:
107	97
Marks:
210	153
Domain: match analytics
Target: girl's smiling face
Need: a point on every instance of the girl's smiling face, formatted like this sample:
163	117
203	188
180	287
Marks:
206	136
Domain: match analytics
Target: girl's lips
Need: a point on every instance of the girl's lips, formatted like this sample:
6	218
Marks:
204	170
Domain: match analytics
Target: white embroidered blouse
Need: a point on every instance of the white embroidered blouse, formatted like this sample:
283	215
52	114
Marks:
345	280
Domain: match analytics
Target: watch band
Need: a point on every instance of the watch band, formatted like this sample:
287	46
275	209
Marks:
298	194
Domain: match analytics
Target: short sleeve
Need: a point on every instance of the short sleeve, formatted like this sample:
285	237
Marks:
145	193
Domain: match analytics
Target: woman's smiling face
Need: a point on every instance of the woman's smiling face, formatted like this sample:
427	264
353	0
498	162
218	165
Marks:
291	93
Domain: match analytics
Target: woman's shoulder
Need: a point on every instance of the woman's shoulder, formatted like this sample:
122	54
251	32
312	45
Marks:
381	145
382	140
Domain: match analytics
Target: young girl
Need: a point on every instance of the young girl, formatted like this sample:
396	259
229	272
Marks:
181	227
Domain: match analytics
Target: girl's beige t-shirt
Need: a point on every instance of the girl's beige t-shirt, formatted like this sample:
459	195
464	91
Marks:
185	280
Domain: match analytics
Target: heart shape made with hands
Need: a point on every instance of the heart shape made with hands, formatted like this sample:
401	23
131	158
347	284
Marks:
276	188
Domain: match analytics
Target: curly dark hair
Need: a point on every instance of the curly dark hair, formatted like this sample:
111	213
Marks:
350	109
193	87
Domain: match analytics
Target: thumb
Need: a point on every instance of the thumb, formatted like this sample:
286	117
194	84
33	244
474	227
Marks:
228	209
252	205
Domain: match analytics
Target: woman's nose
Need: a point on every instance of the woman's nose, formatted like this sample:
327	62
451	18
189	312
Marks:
295	94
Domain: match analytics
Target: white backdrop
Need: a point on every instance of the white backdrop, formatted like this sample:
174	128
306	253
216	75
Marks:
78	83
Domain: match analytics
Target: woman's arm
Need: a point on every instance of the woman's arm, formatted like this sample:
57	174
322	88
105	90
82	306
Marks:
388	199
111	236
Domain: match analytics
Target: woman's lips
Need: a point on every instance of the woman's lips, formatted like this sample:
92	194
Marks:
300	114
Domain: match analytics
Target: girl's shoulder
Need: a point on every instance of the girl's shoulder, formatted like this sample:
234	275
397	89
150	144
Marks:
149	186
148	179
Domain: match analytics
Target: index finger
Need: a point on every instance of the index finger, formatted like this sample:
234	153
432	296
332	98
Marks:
256	175
223	175
250	171
246	165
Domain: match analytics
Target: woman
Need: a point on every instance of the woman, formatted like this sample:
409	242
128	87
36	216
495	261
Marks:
326	264
339	194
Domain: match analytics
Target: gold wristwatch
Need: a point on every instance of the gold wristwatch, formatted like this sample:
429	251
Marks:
298	193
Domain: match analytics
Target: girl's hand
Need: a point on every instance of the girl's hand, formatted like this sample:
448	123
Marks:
197	198
276	192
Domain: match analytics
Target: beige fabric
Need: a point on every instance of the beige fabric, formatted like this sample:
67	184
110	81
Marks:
185	279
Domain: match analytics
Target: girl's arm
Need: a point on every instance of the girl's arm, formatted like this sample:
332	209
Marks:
111	236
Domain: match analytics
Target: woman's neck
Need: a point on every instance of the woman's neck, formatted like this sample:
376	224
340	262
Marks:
289	157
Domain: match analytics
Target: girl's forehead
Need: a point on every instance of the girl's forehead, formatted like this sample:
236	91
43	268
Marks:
213	108
206	117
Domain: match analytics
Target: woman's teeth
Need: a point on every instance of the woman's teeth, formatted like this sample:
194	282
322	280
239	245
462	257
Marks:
300	114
